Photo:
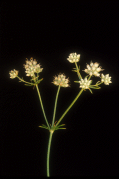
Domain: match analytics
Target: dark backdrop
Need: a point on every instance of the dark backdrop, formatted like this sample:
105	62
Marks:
49	32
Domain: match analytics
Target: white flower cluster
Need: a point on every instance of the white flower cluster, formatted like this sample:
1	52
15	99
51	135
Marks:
93	69
85	83
106	79
32	67
73	57
61	80
13	74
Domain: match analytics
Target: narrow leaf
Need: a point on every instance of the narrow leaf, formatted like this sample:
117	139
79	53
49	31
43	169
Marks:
61	125
91	82
76	81
74	70
90	90
95	87
87	76
59	128
39	80
28	85
43	127
97	82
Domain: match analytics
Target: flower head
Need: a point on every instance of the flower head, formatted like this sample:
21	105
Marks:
93	69
85	83
13	73
60	80
73	57
106	79
32	67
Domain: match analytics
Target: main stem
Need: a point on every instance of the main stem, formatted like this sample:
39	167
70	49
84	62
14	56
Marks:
48	153
42	106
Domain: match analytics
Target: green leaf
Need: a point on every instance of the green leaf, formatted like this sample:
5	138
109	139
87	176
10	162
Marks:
31	80
43	126
29	85
95	87
59	128
87	76
98	82
98	88
74	70
90	90
61	125
76	81
39	80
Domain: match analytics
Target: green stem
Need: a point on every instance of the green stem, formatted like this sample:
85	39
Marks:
97	84
55	105
23	80
78	73
70	106
42	105
48	153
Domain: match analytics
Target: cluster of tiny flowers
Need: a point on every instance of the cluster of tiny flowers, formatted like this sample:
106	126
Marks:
85	83
93	69
61	80
73	57
32	67
106	79
13	74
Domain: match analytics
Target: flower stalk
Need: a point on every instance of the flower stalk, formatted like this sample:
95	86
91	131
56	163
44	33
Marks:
55	106
77	70
42	106
69	107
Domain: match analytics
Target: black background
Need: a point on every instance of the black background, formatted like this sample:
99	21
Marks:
49	32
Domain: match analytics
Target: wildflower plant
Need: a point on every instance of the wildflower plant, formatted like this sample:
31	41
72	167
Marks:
32	69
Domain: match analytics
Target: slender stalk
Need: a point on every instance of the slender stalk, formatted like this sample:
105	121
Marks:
23	80
70	106
78	73
42	106
55	106
48	153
